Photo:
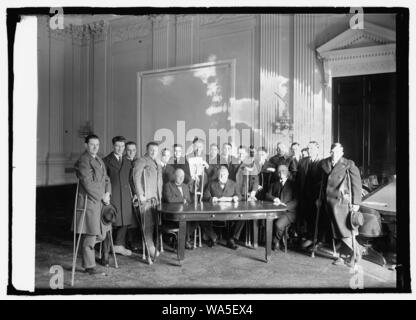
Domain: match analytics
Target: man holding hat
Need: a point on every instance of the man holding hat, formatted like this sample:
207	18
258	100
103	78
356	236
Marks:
341	193
95	188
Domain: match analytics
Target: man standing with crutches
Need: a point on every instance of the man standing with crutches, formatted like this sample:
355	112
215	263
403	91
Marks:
93	191
148	183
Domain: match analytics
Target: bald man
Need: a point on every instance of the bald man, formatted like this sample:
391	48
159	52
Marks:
223	190
283	192
178	192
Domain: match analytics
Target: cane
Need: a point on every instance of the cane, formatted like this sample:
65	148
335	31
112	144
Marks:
74	261
75	225
315	235
154	204
202	186
112	248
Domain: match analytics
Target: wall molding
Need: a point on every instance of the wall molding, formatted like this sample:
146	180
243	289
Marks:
207	19
137	30
347	55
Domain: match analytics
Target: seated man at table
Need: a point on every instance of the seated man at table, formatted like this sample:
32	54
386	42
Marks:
223	190
282	192
178	192
247	181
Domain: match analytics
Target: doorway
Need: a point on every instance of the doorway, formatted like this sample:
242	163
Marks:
364	121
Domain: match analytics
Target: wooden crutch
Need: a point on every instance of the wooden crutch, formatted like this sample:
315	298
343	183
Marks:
76	242
315	234
142	208
202	185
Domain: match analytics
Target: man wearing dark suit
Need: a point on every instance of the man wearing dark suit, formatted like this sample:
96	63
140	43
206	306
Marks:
223	190
294	159
179	161
283	192
178	192
308	183
265	169
119	170
247	185
133	238
213	159
281	157
237	162
341	186
168	171
228	160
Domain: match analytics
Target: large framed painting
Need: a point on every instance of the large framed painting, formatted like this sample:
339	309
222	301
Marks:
177	104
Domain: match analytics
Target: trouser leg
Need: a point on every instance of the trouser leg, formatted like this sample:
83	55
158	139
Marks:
149	226
120	238
88	251
279	227
208	229
106	244
238	227
190	228
133	237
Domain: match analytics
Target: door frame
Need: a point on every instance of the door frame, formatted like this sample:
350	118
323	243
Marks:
354	52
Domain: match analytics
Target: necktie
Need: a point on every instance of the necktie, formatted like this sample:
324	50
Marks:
180	189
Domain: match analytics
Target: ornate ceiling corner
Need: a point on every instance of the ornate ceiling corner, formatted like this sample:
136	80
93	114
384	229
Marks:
359	51
184	18
99	30
161	20
206	19
138	30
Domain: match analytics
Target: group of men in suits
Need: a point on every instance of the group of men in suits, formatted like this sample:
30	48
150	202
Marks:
300	183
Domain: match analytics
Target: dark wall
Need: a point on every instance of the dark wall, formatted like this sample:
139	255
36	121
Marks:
54	211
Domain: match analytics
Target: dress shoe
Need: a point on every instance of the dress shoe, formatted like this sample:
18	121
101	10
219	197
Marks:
339	262
307	243
104	261
275	246
188	245
231	244
92	271
122	250
212	243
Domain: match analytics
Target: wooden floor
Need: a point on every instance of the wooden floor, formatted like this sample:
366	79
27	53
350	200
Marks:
218	267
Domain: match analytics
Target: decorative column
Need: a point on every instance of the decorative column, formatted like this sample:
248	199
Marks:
99	95
275	82
77	37
43	100
56	159
164	51
184	36
308	88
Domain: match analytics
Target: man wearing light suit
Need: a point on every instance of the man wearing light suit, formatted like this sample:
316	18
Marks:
147	179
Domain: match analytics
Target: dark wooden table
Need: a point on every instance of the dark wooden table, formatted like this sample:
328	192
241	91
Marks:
221	211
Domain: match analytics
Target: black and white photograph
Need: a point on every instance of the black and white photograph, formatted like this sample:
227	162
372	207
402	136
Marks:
231	150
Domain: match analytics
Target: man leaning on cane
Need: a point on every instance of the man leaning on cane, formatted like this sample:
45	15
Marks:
95	188
147	179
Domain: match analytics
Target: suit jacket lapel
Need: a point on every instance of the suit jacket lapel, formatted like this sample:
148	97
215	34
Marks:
114	162
327	166
178	193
